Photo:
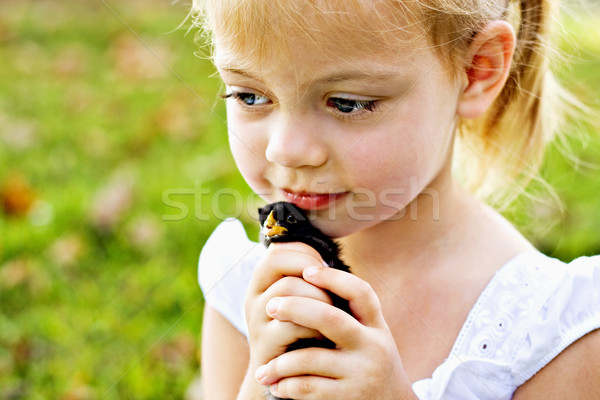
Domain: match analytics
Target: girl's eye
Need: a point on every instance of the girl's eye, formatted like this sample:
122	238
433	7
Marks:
248	99
347	106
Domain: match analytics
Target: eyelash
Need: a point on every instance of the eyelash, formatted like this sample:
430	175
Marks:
239	97
364	106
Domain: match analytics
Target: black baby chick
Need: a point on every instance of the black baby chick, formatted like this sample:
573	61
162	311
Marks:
284	222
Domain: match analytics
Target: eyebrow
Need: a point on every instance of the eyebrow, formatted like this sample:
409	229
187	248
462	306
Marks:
328	79
238	72
357	75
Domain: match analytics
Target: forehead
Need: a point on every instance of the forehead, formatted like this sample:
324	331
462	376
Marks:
288	35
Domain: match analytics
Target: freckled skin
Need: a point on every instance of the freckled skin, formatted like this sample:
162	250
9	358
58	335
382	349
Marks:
299	229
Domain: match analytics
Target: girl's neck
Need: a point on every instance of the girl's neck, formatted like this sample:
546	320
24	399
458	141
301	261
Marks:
423	228
445	227
429	268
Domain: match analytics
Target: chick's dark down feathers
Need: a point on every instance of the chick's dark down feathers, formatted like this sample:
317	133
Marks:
284	222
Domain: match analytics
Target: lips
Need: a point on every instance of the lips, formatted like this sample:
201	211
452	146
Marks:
312	201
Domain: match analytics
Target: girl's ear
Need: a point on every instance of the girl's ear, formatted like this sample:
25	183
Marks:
488	64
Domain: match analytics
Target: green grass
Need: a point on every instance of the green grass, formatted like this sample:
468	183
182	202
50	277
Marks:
93	309
103	113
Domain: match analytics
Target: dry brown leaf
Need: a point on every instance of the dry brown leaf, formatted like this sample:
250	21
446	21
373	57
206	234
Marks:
16	195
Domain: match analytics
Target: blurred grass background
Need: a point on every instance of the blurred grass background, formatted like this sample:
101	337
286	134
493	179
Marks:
110	139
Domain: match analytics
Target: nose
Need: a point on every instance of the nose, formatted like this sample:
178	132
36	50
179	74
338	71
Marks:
296	142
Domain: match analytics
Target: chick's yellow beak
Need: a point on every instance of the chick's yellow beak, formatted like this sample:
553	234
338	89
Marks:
271	228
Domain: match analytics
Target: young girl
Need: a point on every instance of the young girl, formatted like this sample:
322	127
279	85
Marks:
359	111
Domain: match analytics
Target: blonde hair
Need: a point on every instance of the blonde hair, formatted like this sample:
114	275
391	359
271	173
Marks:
496	154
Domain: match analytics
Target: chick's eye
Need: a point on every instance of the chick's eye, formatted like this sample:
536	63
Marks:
348	105
291	219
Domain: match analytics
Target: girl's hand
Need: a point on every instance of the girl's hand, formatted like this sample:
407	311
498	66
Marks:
365	363
279	276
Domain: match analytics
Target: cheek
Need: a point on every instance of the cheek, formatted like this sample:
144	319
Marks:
247	150
390	157
406	153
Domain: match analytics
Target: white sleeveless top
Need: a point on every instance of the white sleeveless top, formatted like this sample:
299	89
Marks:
531	310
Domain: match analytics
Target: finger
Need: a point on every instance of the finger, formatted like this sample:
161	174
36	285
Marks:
282	334
364	303
335	324
286	286
275	337
282	259
307	387
298	247
293	286
309	361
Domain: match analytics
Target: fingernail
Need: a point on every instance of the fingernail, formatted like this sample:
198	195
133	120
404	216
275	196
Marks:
273	389
260	373
325	264
309	272
272	306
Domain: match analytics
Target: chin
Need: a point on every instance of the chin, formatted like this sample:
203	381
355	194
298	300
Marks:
337	228
346	225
